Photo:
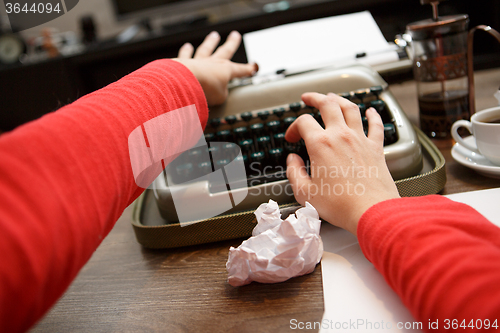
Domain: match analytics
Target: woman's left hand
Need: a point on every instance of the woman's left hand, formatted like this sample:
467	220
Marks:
214	70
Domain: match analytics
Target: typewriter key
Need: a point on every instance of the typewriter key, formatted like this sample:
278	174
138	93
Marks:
288	121
257	129
346	95
214	152
389	134
245	160
264	142
257	160
221	163
376	90
194	155
229	151
276	156
223	135
292	148
215	122
273	125
378	105
360	94
362	109
204	168
209	137
184	170
240	132
279	138
230	119
246	116
263	115
246	145
279	112
295	107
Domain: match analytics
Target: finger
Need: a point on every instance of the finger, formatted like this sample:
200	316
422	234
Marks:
298	177
208	46
351	113
375	126
186	51
242	70
227	50
303	127
330	109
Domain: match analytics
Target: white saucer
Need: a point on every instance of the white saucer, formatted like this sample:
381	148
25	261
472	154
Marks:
474	160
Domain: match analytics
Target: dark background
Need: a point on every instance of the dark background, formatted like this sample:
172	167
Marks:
29	91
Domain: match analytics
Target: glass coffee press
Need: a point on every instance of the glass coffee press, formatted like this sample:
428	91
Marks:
439	53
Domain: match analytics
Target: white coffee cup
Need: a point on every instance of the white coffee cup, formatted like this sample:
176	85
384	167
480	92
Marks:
485	131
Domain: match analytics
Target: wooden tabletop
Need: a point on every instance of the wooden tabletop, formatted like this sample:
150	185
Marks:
127	288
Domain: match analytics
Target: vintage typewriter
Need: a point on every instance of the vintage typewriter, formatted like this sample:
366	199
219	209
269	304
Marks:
249	129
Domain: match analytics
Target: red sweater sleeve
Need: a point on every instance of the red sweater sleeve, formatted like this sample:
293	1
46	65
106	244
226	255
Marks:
441	257
67	177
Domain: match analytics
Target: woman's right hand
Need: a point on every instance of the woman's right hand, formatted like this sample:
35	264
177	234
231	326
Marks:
348	169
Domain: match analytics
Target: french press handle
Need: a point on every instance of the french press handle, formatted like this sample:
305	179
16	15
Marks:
470	62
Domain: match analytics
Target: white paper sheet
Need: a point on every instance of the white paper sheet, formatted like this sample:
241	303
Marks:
318	43
355	292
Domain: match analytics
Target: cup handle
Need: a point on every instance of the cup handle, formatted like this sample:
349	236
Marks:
454	133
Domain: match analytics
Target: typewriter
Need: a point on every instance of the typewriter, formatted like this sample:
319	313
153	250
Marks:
249	129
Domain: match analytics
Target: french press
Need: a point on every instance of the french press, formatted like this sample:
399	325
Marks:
439	53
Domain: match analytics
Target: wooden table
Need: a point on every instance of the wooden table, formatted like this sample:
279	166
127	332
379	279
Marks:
126	288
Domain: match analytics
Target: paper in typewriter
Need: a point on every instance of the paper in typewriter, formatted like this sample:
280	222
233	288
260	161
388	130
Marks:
318	43
354	290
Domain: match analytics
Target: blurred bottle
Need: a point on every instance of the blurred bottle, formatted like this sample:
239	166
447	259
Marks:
88	29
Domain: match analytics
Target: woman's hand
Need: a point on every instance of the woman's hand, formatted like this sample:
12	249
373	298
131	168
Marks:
348	169
214	70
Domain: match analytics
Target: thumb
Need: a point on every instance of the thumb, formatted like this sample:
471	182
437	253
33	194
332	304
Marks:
298	177
242	70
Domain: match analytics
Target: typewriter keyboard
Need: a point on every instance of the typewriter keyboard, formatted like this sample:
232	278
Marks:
249	130
260	136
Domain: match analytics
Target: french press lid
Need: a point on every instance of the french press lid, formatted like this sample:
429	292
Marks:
437	27
432	28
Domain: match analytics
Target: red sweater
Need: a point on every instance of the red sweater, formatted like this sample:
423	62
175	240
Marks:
67	177
441	257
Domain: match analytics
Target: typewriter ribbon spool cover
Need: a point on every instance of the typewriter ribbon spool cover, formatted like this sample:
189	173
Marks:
247	128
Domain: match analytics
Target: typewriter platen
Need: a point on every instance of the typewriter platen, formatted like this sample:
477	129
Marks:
250	128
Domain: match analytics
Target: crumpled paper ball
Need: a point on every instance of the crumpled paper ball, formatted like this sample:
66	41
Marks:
278	250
